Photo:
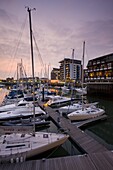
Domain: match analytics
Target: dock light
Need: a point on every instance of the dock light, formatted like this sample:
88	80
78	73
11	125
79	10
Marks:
45	105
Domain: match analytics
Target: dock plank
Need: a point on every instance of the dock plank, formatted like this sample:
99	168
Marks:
95	161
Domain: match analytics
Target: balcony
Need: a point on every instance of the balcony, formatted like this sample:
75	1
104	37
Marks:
110	67
98	62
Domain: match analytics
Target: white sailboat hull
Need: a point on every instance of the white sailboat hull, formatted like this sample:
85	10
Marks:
84	114
57	101
69	108
74	107
19	105
20	113
14	146
81	90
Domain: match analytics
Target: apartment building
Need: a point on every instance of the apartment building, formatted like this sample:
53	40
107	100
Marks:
100	69
70	69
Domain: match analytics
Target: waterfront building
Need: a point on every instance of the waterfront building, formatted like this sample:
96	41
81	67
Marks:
100	69
99	75
70	69
55	74
10	80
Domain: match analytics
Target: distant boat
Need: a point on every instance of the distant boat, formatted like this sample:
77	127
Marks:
57	101
81	90
24	102
22	109
65	90
13	96
21	112
46	93
39	123
73	107
69	108
2	85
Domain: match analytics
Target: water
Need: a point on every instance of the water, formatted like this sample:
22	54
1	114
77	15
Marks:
101	131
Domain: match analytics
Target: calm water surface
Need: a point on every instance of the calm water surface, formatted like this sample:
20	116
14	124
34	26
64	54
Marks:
103	131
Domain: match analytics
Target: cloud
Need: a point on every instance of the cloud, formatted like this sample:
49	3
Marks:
98	36
13	47
55	40
60	30
6	17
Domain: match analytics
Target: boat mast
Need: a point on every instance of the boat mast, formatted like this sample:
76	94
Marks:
72	86
32	59
83	72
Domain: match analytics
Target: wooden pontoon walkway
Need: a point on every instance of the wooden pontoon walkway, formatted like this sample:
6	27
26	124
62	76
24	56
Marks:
86	142
94	161
85	123
96	157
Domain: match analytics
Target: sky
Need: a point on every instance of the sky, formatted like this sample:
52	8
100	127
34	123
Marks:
58	27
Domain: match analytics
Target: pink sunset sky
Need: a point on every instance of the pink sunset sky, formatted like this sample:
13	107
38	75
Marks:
58	27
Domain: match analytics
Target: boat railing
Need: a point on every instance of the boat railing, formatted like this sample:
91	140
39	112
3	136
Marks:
19	157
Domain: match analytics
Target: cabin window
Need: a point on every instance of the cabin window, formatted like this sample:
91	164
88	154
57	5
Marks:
14	146
22	104
45	136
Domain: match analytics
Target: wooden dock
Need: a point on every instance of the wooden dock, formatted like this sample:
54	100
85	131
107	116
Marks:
96	156
86	123
94	161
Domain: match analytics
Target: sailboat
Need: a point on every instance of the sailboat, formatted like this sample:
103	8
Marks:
14	95
74	107
20	146
57	101
85	112
26	101
17	91
81	90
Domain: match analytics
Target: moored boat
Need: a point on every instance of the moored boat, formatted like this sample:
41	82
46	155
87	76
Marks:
24	112
86	113
25	102
27	122
57	101
21	147
14	95
81	90
74	106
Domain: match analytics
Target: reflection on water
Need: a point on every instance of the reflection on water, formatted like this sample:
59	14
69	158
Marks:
104	129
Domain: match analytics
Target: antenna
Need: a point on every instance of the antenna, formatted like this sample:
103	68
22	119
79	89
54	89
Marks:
30	8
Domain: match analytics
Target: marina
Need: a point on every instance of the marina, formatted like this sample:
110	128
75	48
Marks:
56	117
88	148
94	154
